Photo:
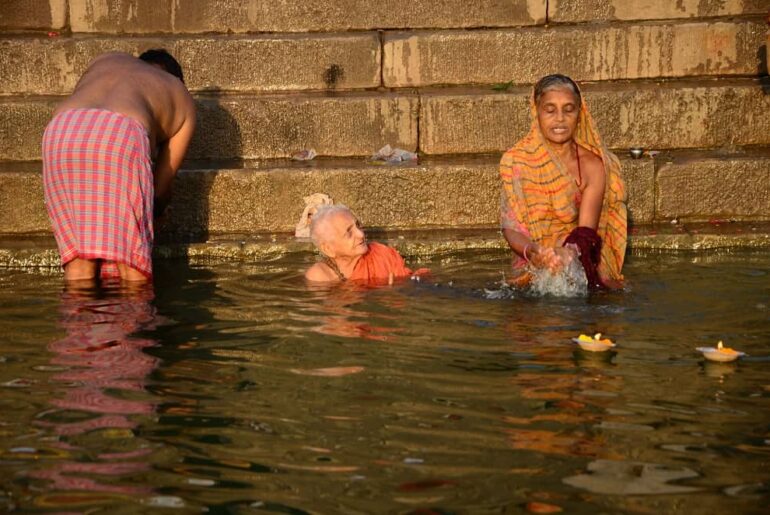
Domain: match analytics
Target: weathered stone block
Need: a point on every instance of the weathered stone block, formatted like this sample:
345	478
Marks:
52	66
254	126
639	176
22	123
271	199
703	188
259	63
22	206
471	122
195	16
133	16
33	14
277	126
702	114
626	10
651	115
284	62
649	50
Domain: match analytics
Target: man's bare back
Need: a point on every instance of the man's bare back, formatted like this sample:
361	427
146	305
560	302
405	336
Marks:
124	84
149	90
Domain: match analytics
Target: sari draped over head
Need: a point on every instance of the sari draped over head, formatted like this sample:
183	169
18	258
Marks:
541	200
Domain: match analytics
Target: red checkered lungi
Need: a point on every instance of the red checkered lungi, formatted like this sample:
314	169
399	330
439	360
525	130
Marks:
98	183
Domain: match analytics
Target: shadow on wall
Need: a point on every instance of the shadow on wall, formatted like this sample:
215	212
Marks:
217	143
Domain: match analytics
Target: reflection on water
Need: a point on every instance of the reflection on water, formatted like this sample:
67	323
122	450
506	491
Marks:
102	370
237	389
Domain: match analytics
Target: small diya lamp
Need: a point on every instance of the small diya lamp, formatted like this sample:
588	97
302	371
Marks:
720	353
595	344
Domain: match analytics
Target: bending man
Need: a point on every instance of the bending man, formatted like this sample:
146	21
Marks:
338	235
101	186
563	197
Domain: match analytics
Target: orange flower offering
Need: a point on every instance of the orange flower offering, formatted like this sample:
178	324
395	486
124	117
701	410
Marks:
597	338
726	350
595	344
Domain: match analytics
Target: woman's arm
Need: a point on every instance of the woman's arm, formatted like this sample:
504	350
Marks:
593	194
520	243
540	257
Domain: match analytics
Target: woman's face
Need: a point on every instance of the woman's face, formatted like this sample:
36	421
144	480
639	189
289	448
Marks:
557	113
346	238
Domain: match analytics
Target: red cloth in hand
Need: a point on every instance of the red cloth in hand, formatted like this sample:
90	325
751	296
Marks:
590	244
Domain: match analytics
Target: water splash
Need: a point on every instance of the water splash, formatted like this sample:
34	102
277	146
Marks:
503	290
571	282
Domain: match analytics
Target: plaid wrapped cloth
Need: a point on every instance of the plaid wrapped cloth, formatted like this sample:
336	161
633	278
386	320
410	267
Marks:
98	183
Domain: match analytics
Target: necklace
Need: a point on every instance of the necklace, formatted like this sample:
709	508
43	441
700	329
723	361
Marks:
331	264
580	175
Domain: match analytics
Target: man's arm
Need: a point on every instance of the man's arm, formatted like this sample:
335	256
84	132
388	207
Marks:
170	157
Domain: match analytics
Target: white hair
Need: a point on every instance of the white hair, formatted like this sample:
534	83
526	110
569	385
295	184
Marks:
320	219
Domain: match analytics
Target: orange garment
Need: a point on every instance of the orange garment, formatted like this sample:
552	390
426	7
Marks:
377	265
541	199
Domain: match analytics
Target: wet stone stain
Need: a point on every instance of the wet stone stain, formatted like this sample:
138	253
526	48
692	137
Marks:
333	75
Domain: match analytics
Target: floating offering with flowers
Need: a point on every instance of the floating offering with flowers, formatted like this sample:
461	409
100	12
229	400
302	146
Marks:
595	343
720	353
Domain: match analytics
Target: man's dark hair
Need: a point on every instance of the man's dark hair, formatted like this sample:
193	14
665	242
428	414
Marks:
162	58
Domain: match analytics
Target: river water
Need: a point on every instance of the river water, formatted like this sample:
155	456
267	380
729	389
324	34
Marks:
235	388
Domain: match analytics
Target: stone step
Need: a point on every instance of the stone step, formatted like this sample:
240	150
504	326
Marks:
204	16
355	60
261	63
438	192
584	52
561	11
649	114
196	16
265	126
694	186
38	252
654	115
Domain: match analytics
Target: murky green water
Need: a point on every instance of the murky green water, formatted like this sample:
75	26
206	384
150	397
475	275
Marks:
235	389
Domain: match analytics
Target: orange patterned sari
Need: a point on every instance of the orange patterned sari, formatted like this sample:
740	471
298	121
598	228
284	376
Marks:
541	200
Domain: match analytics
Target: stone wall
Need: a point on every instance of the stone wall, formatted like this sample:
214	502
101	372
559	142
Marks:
448	78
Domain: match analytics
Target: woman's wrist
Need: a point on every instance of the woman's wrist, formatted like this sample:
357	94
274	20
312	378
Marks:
530	250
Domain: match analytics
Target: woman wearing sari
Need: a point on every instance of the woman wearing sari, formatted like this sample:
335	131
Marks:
563	196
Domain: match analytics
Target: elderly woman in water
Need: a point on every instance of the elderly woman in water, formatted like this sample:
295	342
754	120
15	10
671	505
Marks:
563	196
347	256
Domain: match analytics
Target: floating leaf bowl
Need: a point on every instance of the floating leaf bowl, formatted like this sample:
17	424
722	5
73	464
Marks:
720	353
